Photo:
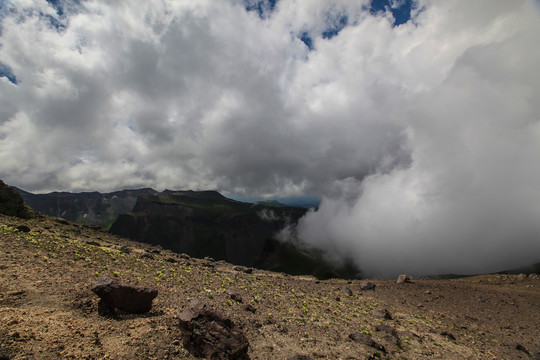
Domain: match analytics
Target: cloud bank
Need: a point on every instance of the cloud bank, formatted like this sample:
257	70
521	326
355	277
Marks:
423	139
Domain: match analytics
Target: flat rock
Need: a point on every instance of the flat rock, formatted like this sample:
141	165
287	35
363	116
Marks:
366	340
382	313
347	291
123	296
444	333
367	285
404	278
234	295
387	329
207	333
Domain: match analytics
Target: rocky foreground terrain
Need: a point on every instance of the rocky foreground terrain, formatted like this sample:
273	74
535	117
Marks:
47	310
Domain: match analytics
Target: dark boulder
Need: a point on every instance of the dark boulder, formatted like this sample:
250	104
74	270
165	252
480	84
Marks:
367	285
23	228
387	329
123	296
365	339
207	333
382	313
392	336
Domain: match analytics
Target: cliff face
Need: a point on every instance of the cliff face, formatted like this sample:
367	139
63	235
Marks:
91	208
207	224
204	224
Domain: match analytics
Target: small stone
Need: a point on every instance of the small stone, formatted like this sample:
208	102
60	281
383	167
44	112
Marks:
404	278
250	308
125	249
387	329
367	285
382	313
23	228
443	333
16	293
234	295
518	347
366	340
347	291
176	342
184	256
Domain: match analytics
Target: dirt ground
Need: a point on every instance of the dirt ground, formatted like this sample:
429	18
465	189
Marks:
47	310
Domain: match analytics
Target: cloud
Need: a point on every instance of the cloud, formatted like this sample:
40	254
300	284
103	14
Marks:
422	138
469	199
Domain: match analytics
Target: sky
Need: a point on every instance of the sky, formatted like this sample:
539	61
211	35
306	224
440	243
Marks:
416	122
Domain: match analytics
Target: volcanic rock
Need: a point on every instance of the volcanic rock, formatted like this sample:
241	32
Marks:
366	340
23	228
404	278
387	329
123	296
444	333
382	313
367	285
347	291
519	347
234	295
207	333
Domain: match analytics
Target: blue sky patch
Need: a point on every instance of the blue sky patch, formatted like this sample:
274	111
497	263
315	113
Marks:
57	6
400	9
261	7
5	71
338	25
306	39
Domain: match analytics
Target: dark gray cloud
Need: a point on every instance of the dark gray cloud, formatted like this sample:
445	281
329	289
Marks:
422	138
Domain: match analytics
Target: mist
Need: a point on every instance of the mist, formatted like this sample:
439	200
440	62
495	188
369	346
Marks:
469	199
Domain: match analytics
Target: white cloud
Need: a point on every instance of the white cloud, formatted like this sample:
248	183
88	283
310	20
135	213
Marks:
409	132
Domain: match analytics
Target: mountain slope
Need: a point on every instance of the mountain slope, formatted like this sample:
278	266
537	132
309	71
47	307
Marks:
12	204
90	208
47	310
205	223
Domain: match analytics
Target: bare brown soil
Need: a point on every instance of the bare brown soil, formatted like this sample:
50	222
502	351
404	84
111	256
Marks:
48	312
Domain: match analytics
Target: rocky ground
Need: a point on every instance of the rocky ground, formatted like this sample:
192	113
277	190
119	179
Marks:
47	310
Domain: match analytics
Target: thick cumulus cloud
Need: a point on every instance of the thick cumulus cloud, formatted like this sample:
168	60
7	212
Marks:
469	200
423	139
